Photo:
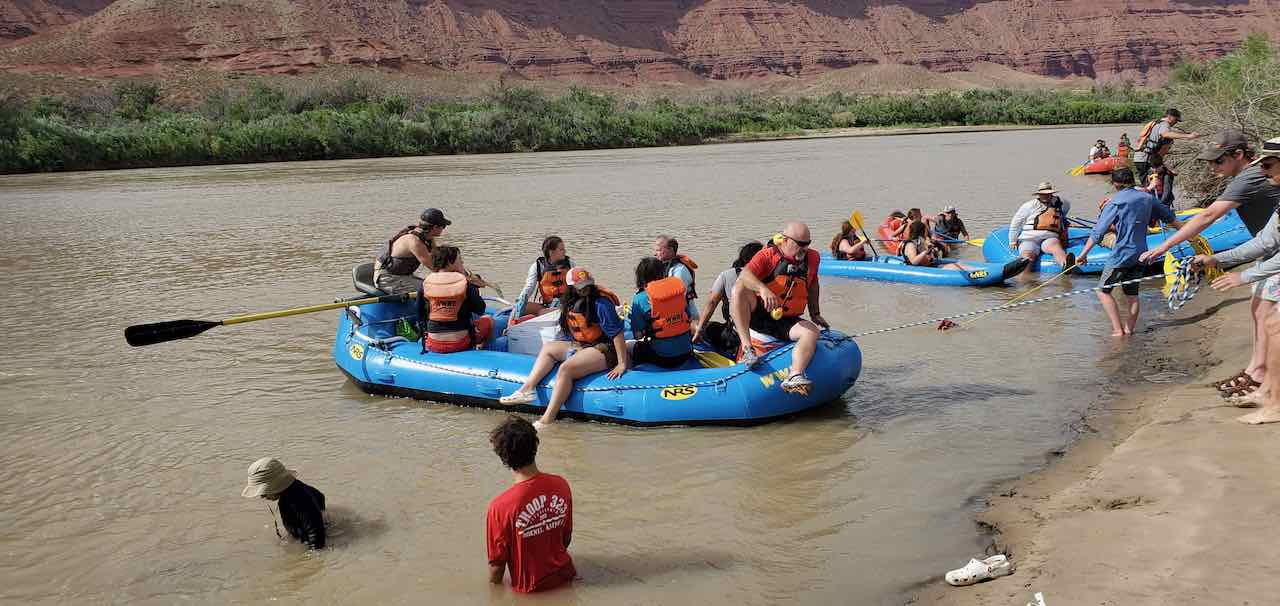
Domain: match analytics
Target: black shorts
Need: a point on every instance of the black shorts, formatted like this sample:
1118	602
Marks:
1114	275
643	353
779	329
721	337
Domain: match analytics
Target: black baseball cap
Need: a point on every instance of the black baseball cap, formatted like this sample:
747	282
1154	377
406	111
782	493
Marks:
1225	142
433	216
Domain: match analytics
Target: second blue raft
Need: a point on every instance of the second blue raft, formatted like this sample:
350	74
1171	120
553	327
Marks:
892	268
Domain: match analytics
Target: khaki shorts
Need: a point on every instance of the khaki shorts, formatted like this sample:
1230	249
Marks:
606	348
1030	242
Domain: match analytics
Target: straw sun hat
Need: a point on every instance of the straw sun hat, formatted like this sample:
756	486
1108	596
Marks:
267	478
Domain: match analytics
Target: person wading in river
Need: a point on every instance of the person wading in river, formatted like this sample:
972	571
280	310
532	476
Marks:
408	250
1129	212
1254	198
529	526
300	504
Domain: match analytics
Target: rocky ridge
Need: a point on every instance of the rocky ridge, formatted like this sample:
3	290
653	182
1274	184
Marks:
625	41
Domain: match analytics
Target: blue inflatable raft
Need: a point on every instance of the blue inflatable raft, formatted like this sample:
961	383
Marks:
892	268
367	350
1224	234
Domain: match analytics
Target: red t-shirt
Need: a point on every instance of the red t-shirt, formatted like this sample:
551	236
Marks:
761	265
526	528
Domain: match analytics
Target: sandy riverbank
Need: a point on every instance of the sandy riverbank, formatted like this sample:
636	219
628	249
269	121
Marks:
1165	500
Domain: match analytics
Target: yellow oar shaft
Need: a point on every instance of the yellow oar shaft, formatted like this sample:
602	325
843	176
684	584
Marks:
305	310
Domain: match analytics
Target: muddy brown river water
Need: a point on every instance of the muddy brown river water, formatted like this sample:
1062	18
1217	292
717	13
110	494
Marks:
123	467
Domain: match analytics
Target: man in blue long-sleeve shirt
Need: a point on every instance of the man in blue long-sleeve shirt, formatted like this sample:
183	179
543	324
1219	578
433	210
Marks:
1129	211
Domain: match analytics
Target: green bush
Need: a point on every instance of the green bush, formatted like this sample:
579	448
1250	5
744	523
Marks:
359	118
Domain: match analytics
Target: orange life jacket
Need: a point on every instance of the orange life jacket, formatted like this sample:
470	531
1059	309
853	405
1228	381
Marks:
551	284
445	292
1152	147
888	229
668	314
692	292
581	320
789	282
1049	219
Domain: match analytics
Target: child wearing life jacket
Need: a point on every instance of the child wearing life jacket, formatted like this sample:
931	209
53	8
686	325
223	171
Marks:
659	318
544	285
596	343
450	306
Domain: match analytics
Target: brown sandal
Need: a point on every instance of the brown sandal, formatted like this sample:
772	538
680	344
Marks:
1241	391
1240	379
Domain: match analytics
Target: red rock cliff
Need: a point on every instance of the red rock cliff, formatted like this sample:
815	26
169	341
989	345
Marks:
631	41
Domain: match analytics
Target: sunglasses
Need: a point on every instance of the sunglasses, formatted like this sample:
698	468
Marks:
1220	160
800	243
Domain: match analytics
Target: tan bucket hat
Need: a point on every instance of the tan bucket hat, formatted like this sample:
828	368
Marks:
267	478
1046	188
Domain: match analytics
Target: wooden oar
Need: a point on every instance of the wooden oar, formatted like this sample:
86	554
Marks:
855	220
160	332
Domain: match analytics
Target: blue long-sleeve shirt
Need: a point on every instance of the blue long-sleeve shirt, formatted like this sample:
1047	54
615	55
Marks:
1130	211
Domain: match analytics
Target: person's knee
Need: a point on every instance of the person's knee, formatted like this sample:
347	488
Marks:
805	332
1272	324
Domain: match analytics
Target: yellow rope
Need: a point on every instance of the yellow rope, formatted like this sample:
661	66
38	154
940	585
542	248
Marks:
1025	294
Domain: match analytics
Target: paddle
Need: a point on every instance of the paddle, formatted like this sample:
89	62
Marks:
855	220
1077	171
160	332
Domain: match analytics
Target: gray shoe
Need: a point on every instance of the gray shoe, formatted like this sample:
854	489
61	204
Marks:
750	359
796	384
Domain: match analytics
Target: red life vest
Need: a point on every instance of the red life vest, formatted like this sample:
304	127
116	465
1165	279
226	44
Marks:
551	283
789	281
445	292
581	320
668	313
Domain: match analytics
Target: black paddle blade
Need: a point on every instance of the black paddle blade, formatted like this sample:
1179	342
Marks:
150	334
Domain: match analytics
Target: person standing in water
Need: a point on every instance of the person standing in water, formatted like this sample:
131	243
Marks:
529	526
301	506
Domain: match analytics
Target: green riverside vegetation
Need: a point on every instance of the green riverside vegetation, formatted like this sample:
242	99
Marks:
132	126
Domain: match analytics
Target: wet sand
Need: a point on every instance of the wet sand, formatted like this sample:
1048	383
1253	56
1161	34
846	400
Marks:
1165	500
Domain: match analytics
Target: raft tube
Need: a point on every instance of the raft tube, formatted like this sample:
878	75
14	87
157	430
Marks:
1104	166
895	269
1224	234
380	363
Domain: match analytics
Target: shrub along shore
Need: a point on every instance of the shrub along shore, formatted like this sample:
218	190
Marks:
132	126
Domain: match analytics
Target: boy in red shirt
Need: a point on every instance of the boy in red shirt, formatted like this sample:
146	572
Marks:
529	526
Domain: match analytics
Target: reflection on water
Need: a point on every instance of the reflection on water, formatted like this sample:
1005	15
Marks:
126	464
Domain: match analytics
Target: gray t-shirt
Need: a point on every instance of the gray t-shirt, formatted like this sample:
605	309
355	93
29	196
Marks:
1153	140
1256	196
724	286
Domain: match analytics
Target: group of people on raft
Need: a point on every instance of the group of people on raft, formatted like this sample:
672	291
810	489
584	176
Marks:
764	294
919	240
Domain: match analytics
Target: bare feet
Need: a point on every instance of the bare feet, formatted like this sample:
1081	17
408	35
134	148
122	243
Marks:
541	424
1266	415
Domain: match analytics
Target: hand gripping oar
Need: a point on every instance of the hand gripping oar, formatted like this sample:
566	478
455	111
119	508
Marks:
855	220
159	332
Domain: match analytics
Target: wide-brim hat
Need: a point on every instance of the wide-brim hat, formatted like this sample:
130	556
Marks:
1045	187
267	477
1270	149
948	209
